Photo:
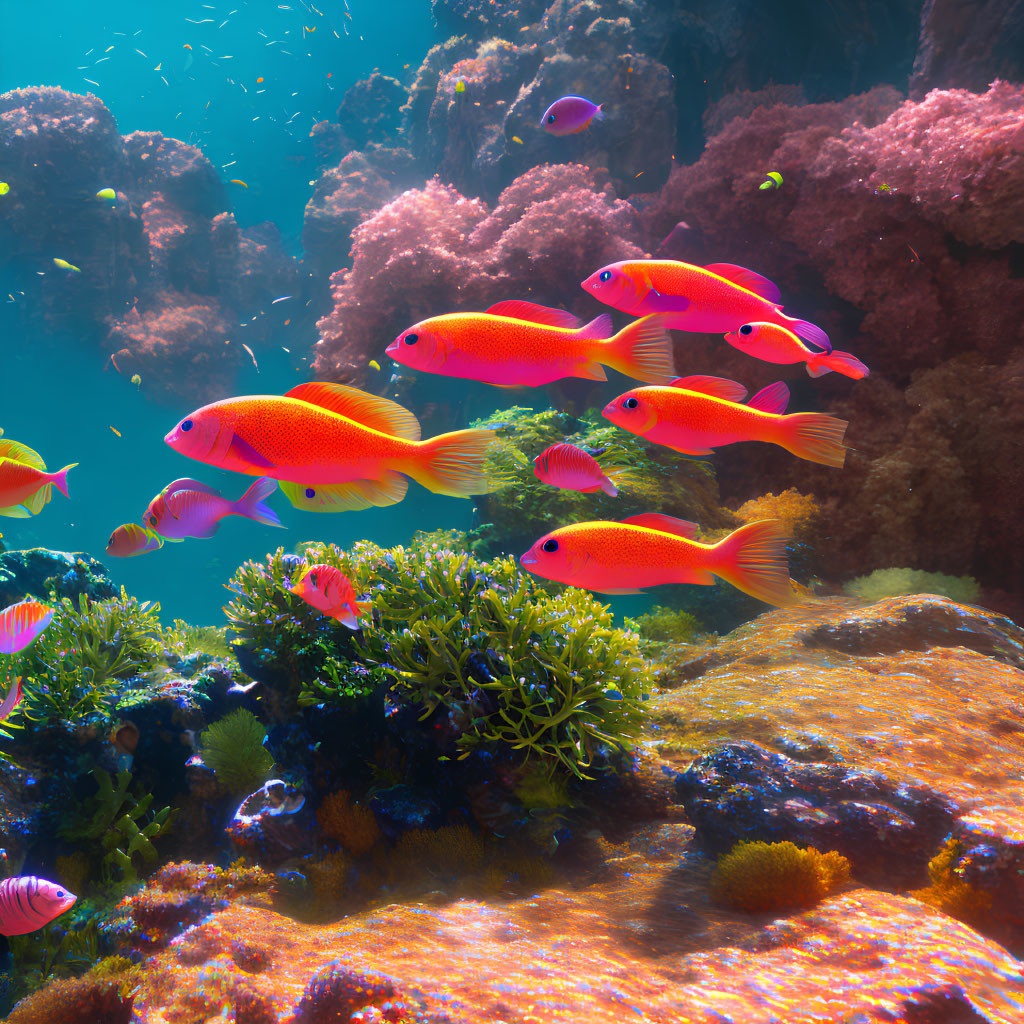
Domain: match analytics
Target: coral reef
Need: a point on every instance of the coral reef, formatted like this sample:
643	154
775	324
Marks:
349	823
433	250
163	270
337	992
43	574
85	1000
952	895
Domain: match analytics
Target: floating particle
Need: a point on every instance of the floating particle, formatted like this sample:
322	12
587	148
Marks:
374	364
64	265
282	298
515	138
259	81
252	357
116	431
137	381
238	181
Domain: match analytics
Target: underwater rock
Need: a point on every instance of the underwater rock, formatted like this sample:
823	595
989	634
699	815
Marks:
370	110
36	571
345	195
432	249
85	1000
337	992
176	169
273	824
643	934
888	831
919	624
967	47
401	808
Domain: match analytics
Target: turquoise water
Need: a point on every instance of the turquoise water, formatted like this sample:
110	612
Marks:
61	398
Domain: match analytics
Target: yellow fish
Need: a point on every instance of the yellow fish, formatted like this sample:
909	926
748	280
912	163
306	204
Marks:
64	265
4	188
515	138
460	85
106	193
137	381
374	364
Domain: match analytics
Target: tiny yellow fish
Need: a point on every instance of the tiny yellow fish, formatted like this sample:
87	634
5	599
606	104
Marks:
883	188
774	181
106	193
64	265
116	431
238	181
515	138
4	188
460	85
137	381
374	364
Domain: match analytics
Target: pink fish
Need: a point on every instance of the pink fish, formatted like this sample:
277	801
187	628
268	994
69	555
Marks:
329	591
22	623
572	469
130	539
570	114
27	903
12	700
190	508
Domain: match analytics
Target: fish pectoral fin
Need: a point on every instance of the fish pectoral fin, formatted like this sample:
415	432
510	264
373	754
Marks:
17	452
655	302
370	410
241	449
591	371
351	496
39	499
15	512
691	451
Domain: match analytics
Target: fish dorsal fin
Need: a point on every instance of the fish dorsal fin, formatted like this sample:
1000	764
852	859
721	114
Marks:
746	279
773	398
599	327
18	452
186	483
717	387
520	309
664	524
369	410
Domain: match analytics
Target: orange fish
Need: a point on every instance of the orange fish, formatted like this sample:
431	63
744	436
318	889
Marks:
716	298
25	484
21	624
519	343
329	591
695	414
775	344
572	469
333	448
652	549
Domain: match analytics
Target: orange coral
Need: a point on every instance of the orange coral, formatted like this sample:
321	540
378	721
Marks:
952	895
327	879
350	823
87	1000
798	512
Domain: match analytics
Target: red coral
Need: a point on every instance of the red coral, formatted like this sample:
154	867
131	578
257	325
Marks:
432	250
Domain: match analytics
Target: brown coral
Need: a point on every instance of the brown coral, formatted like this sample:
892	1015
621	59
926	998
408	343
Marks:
86	1000
349	823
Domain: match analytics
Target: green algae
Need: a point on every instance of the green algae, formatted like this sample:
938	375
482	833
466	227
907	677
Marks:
233	748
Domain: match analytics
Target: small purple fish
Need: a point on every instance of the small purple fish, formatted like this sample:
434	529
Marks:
570	114
12	700
190	508
28	903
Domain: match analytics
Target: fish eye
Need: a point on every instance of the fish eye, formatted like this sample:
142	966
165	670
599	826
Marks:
550	545
186	425
310	492
153	520
630	403
551	118
747	329
61	894
606	275
411	339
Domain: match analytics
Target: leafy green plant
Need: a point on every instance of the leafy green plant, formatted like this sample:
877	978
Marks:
181	639
233	748
122	825
77	669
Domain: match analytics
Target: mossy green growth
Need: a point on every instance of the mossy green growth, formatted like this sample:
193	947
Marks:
650	478
233	748
662	626
298	650
79	666
884	583
512	664
181	639
121	822
762	877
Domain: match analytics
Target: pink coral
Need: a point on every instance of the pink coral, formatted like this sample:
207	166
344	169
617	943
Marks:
432	250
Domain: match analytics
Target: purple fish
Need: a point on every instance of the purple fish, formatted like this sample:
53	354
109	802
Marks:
190	508
27	903
569	115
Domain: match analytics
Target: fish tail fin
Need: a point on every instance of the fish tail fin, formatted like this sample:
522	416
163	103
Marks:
840	362
608	486
453	463
599	114
350	616
753	559
808	332
641	350
814	436
251	504
60	479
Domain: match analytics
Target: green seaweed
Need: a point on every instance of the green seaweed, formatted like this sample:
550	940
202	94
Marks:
233	748
662	626
122	825
649	478
81	664
884	583
181	639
